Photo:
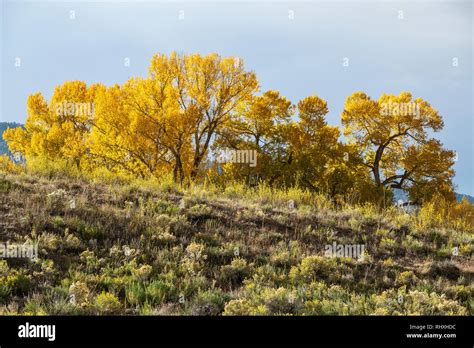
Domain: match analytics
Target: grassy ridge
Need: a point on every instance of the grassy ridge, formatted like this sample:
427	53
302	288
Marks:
154	249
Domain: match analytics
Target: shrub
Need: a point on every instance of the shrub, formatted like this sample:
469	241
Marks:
79	293
161	207
406	278
234	273
317	268
160	291
107	303
142	273
280	301
209	302
199	211
194	258
135	293
243	307
15	283
394	302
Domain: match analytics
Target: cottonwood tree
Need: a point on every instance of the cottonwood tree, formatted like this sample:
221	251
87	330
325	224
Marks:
56	131
392	134
303	150
213	87
260	125
168	121
123	138
170	118
315	148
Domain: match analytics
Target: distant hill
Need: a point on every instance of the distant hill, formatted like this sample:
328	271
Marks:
3	127
401	195
460	196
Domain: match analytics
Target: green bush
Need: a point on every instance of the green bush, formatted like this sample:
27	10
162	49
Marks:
107	303
209	302
234	273
314	268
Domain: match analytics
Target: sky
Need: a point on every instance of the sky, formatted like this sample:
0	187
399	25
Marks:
300	48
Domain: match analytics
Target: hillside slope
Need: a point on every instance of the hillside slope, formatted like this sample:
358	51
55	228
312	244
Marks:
122	249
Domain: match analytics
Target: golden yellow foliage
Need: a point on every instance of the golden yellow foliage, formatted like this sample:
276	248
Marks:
57	130
8	166
166	124
392	136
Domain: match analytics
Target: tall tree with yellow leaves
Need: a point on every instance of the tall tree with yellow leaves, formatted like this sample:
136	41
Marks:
261	126
56	131
392	136
170	118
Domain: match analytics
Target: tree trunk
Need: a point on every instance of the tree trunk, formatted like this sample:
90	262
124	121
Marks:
178	172
376	166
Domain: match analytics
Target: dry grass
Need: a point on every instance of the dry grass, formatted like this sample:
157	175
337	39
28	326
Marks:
134	247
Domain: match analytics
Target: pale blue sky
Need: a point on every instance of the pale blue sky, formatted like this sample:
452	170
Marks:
298	57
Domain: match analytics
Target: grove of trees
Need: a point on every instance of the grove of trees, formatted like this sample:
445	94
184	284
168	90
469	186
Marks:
191	107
